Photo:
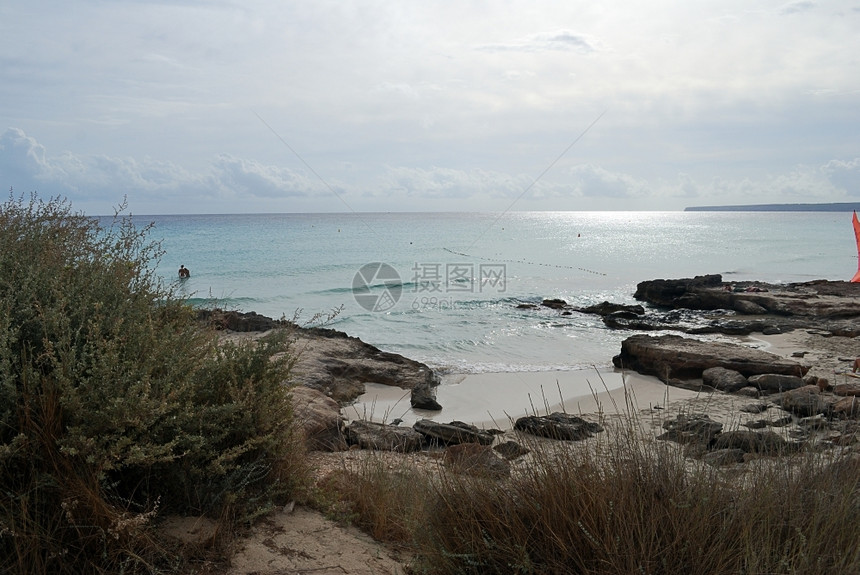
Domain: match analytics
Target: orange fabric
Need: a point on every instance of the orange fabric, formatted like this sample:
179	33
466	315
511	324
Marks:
856	277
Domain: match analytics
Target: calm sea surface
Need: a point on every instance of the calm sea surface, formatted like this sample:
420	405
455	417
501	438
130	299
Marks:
443	287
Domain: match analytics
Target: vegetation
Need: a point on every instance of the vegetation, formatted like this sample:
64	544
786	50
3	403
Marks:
117	408
621	506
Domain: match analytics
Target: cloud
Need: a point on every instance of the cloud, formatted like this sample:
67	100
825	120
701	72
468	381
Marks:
562	40
594	181
250	178
234	184
845	175
796	7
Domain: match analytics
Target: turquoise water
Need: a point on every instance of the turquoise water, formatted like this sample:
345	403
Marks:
457	277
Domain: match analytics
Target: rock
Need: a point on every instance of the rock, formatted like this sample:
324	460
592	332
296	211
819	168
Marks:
749	391
668	293
691	428
846	389
452	433
756	424
478	460
320	419
821	300
847	407
775	383
559	426
340	366
690	385
748	308
424	397
766	443
371	435
511	450
554	303
722	457
670	356
607	308
724	379
804	402
238	321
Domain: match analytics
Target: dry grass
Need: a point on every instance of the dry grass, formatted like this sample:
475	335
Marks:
620	505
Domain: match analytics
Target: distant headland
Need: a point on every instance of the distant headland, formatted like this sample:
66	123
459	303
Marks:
837	207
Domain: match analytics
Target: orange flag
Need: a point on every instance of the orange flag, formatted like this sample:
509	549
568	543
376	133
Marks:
856	277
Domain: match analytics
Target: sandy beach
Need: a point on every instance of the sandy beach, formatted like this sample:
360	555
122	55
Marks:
495	400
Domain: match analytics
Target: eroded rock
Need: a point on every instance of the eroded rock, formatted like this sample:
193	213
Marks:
671	356
560	426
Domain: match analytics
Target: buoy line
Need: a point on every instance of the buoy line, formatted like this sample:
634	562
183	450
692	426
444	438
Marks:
526	262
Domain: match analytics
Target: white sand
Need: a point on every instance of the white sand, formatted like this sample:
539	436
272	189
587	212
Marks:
494	399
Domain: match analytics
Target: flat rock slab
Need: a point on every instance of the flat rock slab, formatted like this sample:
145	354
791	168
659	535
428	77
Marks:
379	436
672	356
561	426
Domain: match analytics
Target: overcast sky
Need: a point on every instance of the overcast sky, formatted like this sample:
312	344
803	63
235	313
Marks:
285	106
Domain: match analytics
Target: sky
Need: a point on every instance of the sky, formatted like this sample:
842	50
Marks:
350	106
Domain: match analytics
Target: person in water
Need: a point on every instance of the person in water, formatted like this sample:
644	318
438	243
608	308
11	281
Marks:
183	272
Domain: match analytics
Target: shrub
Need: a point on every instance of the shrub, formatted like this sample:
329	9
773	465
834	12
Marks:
116	406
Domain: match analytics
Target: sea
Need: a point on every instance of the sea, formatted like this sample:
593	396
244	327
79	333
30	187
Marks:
446	288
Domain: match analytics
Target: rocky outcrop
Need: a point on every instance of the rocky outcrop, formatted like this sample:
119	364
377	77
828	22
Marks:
833	306
340	366
320	419
560	426
672	356
335	363
238	321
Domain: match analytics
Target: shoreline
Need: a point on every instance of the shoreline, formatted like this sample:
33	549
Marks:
496	400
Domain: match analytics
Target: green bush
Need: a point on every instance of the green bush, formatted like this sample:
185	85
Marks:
116	406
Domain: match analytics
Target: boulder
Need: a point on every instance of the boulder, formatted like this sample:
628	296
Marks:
379	436
724	379
478	460
320	419
669	356
846	389
560	426
616	309
691	428
775	382
452	433
846	407
805	401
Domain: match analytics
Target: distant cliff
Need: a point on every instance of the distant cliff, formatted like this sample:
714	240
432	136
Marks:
839	207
